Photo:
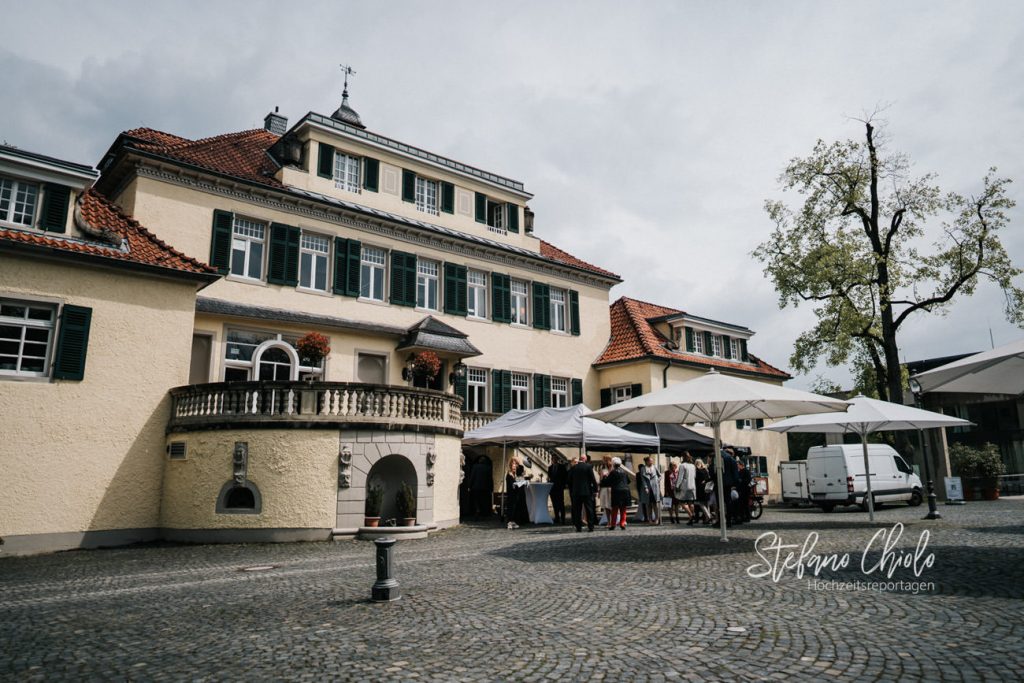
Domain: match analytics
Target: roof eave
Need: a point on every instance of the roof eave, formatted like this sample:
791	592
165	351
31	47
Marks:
682	362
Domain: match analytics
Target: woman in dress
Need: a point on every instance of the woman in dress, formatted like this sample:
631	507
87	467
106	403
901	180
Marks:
515	490
686	490
702	477
671	479
604	498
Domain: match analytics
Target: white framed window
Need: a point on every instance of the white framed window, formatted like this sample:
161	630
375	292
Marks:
698	341
734	349
371	274
558	310
346	172
274	363
716	344
247	247
520	303
476	390
559	392
426	284
426	196
18	201
313	259
620	394
476	300
26	337
520	391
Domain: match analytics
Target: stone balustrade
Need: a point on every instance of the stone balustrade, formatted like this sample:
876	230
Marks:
474	420
288	404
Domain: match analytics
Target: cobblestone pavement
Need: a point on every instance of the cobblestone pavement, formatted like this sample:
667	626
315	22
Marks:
485	603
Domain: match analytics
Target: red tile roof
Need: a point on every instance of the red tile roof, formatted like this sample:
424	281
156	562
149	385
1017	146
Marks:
140	245
633	337
244	155
552	252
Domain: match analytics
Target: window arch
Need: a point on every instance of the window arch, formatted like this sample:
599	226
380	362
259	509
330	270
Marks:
275	360
239	499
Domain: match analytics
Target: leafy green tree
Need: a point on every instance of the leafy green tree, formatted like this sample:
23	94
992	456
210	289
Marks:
855	249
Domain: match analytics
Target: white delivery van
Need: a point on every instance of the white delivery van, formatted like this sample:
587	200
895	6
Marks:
795	489
835	476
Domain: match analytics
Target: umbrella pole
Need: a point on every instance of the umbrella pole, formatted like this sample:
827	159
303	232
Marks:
718	475
504	480
867	477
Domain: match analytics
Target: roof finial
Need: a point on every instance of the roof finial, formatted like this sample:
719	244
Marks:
345	113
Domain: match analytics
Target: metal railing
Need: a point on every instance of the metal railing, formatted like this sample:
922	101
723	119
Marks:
208	404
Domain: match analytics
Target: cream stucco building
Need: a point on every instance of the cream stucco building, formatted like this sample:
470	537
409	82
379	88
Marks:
217	425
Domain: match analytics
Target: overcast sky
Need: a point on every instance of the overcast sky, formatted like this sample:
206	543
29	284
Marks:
650	133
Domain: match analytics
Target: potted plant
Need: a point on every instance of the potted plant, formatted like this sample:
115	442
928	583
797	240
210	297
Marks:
313	347
374	499
424	366
980	468
405	499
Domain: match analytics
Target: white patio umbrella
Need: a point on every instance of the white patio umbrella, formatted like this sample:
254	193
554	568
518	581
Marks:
715	398
867	416
999	371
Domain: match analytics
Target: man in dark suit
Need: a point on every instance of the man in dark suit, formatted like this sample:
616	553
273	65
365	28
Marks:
730	482
559	475
582	489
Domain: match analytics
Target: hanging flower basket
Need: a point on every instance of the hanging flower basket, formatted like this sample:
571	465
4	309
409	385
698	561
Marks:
313	347
426	365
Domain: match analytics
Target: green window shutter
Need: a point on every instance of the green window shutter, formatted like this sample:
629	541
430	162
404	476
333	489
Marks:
501	391
283	256
220	243
546	388
403	278
689	339
709	346
743	351
408	186
460	389
72	343
340	264
371	174
739	424
506	390
726	351
574	312
577	392
759	423
501	298
606	398
325	161
455	295
447	197
538	391
541	306
481	208
54	216
636	390
513	218
353	257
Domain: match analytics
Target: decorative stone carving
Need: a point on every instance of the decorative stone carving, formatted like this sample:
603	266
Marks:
240	462
345	467
431	459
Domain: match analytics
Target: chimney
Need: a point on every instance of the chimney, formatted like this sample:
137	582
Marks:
275	123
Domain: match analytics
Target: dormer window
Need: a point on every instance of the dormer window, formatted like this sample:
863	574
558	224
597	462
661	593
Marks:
716	345
708	343
18	201
734	348
698	343
426	196
499	217
346	172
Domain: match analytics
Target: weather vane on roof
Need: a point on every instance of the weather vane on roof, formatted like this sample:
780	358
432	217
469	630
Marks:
347	70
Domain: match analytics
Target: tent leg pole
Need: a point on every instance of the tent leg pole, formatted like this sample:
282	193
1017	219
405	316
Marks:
718	486
867	478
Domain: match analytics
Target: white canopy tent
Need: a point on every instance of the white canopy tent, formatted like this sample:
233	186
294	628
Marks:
999	371
555	427
715	398
867	416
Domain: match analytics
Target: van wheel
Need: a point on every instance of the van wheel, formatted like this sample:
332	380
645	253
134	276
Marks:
828	507
915	498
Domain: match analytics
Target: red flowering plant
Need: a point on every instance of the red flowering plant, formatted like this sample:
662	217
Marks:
426	364
313	347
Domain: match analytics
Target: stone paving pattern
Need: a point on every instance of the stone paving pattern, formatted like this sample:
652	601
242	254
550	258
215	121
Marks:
483	603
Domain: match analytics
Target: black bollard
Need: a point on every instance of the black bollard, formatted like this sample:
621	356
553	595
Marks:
386	589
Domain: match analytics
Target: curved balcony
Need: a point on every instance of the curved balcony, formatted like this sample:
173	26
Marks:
301	404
